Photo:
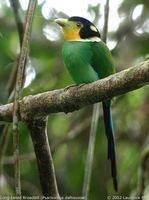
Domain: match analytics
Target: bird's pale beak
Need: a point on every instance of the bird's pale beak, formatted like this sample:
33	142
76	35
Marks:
61	21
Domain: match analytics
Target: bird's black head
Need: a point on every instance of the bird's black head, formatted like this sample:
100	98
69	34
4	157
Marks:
78	28
87	28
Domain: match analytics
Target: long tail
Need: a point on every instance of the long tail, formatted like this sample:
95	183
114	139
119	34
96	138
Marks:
111	140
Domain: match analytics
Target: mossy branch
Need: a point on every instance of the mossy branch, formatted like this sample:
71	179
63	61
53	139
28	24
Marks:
75	98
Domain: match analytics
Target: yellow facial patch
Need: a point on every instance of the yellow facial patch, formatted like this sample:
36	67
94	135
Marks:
93	28
71	31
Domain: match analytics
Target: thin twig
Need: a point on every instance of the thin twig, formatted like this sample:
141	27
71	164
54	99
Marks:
19	81
142	172
31	188
9	160
106	19
11	81
3	144
73	133
90	153
15	4
18	13
94	125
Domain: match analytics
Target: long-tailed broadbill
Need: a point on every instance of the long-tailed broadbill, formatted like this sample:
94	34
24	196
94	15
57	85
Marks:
88	59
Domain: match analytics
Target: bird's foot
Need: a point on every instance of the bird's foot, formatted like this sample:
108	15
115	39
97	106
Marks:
73	85
69	86
82	84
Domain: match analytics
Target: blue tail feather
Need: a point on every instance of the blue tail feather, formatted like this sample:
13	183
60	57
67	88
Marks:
111	140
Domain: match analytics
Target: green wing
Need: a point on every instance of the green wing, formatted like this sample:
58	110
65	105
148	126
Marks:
77	58
87	61
102	61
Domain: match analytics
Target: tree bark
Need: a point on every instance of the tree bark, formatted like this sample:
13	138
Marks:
38	131
75	98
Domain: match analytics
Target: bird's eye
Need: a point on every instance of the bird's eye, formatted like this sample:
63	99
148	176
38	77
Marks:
79	24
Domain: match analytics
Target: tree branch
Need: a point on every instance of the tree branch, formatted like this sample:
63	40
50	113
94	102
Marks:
18	86
75	98
39	136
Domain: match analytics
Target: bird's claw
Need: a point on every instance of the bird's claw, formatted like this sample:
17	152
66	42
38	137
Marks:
82	84
73	85
69	86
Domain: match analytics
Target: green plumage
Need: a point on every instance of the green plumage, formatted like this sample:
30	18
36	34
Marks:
87	61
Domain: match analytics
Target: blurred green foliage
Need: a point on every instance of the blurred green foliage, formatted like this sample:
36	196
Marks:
46	69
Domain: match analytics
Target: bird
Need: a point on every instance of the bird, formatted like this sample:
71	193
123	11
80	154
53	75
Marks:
88	59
